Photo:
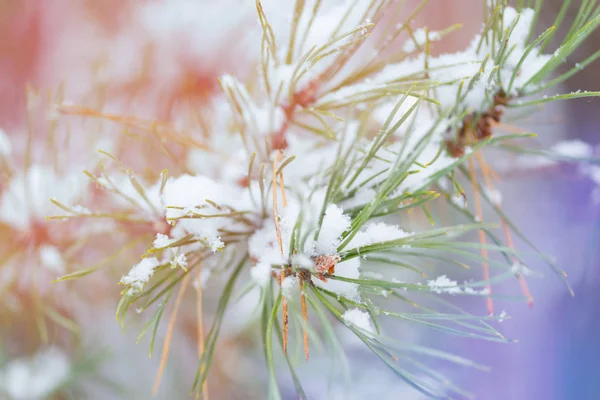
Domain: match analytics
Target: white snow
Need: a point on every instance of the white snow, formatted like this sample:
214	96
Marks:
140	274
261	274
179	261
442	284
191	194
377	233
162	241
360	319
334	224
216	244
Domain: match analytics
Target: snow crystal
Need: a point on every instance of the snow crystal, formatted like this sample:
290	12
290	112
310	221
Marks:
179	262
261	274
442	284
377	233
140	274
334	224
360	319
191	194
216	244
162	241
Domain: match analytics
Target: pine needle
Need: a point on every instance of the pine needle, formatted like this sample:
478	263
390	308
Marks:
488	180
275	213
484	253
282	185
284	309
169	336
304	319
284	306
200	326
166	133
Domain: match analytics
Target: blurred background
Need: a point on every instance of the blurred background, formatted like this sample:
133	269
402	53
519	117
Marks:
151	62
